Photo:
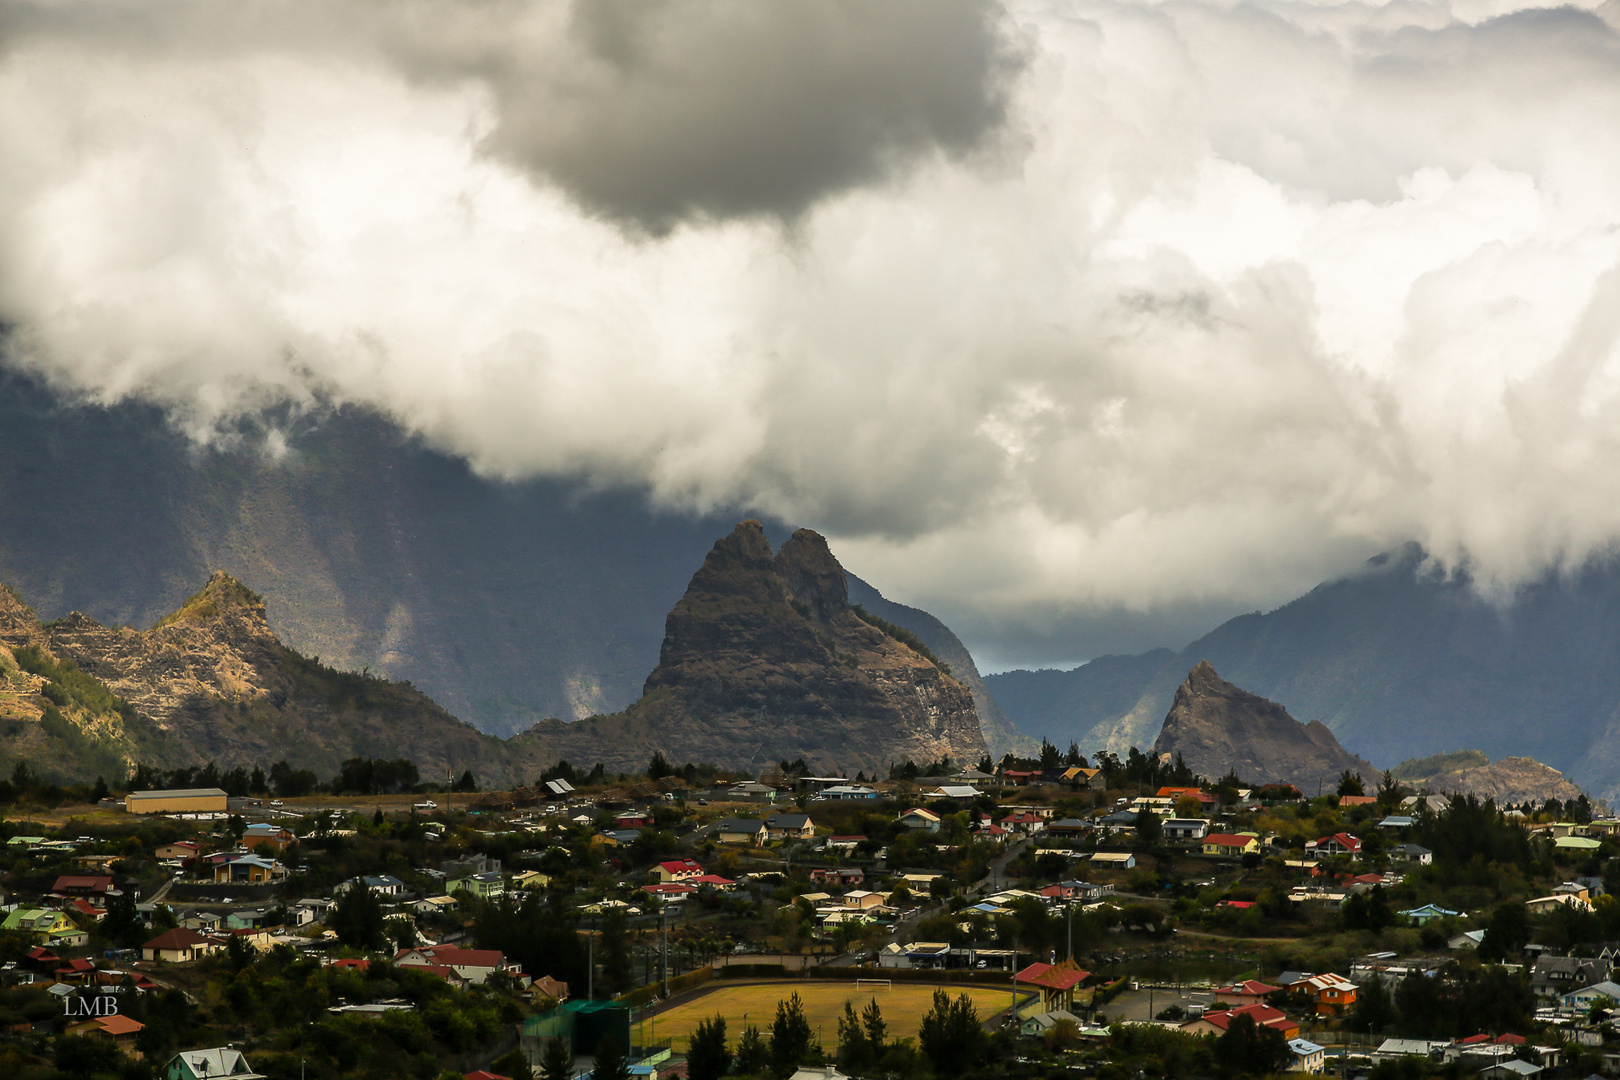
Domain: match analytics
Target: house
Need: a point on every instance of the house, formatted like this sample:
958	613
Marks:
118	1029
274	837
546	988
669	891
844	843
790	827
1216	1022
917	818
1399	1048
178	946
1410	853
209	1065
1541	905
849	791
249	870
180	849
1184	828
1069	828
991	831
955	791
1426	914
1114	860
1251	992
183	801
632	819
1040	1023
89	886
472	965
531	879
1075	890
1308	1057
677	870
749	831
846	877
1396	821
1329	994
1510	1069
1054	982
863	900
1230	845
1079	779
45	926
1555	976
1468	939
1329	846
1023	821
1576	843
485	886
1583	1000
436	905
1357	800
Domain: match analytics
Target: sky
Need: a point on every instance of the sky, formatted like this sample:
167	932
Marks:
1080	324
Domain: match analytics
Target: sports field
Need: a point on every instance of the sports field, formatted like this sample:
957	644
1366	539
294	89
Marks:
904	1006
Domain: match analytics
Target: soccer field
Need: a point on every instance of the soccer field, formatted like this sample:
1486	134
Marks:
904	1006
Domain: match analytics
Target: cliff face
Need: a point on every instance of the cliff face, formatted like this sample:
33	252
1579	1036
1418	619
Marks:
1217	727
1001	736
215	684
1511	780
763	659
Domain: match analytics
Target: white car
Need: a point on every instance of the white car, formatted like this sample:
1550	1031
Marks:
277	802
427	804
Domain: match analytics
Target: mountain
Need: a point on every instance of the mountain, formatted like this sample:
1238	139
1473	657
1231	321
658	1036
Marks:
765	659
212	682
1399	660
506	602
1512	780
1001	735
1217	728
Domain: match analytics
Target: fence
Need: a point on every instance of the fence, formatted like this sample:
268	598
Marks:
648	994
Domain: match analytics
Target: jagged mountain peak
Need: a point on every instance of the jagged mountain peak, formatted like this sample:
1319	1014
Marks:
1217	728
812	575
221	594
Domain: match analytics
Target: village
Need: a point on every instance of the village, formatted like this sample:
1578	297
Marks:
1124	916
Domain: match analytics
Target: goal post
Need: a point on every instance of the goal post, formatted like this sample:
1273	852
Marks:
874	984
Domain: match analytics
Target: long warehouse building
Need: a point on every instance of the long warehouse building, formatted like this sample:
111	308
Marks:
182	801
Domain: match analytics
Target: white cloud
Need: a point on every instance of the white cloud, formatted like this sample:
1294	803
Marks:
1236	295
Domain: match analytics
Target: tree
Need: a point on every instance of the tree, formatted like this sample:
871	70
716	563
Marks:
1247	1049
658	767
1148	830
854	1055
791	1036
610	1061
514	1065
753	1055
707	1057
1350	784
950	1035
466	783
1506	934
617	969
557	1061
357	918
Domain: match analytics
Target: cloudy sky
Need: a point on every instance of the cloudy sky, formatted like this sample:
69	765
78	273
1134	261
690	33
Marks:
1053	315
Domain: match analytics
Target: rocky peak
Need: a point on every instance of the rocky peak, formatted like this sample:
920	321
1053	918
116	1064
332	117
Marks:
222	594
18	626
1217	727
811	575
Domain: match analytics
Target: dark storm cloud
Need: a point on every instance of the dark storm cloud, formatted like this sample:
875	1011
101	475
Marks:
660	111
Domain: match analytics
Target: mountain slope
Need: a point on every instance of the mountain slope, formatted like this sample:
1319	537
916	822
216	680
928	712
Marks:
1398	660
1217	728
764	659
506	602
211	682
1001	736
